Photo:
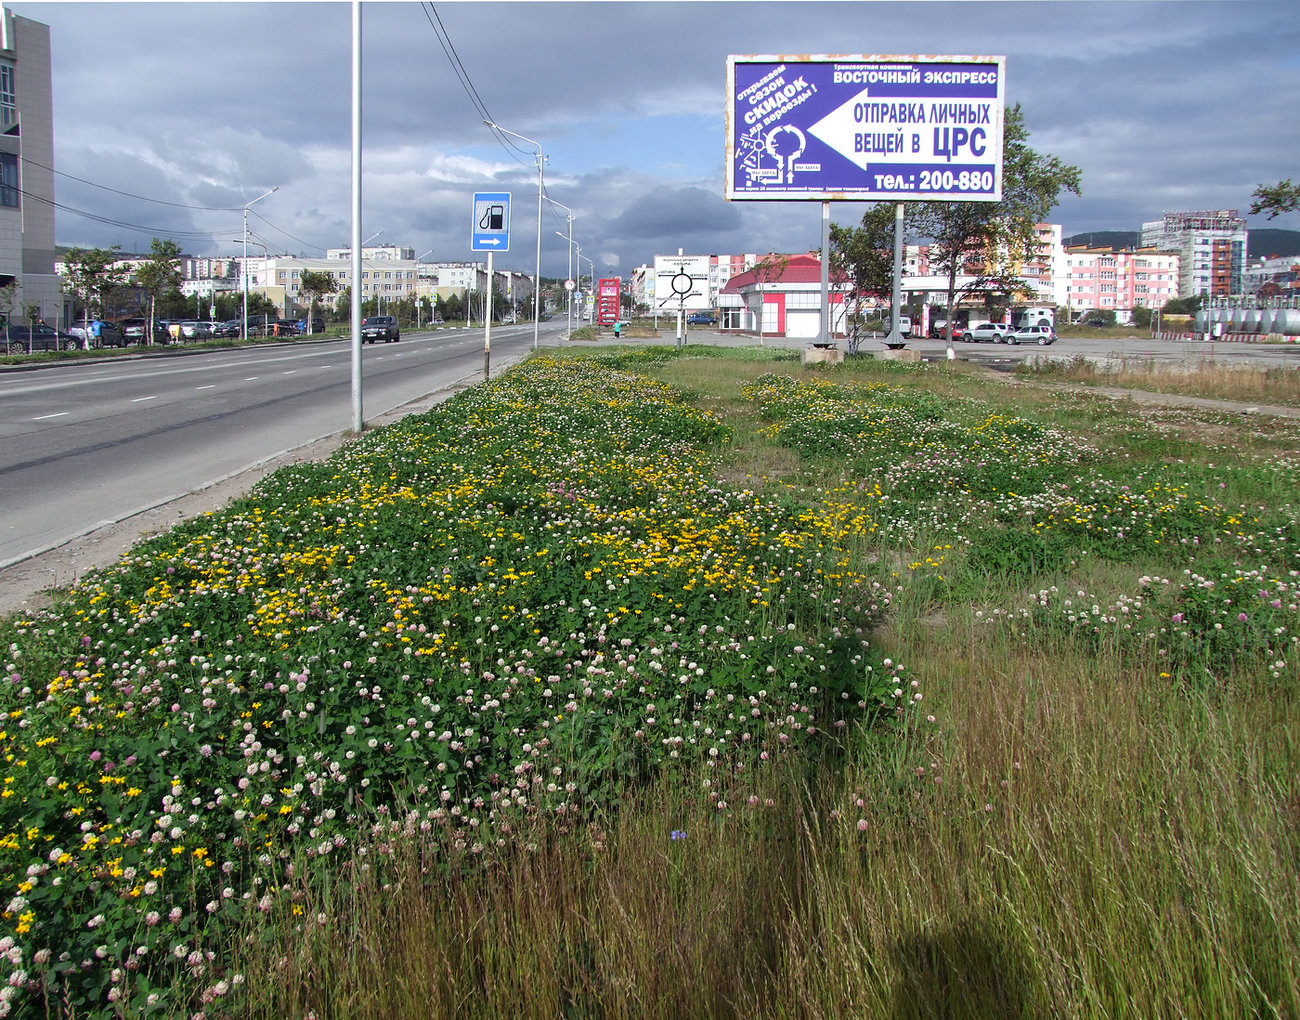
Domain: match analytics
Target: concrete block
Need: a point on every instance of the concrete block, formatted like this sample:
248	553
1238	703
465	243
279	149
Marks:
822	356
902	354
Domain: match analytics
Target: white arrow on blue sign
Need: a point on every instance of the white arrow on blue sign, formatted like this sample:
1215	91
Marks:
490	230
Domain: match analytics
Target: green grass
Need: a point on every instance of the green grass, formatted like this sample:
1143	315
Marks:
1083	799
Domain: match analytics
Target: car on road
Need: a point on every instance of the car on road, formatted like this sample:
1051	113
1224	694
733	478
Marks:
701	319
985	331
1041	335
38	338
380	327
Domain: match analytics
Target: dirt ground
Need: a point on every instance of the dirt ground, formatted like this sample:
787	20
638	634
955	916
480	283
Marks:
25	586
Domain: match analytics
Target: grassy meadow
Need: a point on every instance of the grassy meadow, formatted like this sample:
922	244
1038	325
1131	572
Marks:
655	684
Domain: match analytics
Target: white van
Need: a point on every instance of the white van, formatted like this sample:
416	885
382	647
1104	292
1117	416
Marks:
904	325
1035	317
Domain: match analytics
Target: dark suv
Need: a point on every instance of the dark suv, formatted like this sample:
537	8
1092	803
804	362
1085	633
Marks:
380	327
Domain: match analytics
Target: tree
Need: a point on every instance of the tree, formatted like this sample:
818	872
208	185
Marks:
865	255
312	285
1281	198
160	275
1142	317
990	239
91	275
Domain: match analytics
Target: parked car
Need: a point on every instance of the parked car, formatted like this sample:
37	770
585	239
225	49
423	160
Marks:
991	331
317	325
229	328
380	327
702	319
1041	335
34	339
97	333
194	329
283	327
437	320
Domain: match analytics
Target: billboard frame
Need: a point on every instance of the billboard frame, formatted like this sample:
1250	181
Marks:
926	110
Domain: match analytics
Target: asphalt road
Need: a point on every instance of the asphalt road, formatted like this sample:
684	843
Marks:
84	445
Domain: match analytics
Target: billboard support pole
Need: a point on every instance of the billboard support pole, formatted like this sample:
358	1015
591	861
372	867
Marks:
896	303
827	334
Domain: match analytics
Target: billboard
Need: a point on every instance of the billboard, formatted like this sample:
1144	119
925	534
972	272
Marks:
607	300
865	128
682	282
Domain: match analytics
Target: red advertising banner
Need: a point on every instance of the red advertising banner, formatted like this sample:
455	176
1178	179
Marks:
607	301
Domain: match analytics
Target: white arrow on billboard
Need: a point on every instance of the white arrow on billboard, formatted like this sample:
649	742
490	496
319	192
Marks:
841	130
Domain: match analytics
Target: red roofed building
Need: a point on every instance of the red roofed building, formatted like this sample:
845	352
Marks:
788	290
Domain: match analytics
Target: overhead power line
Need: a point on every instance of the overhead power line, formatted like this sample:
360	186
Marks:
466	83
127	194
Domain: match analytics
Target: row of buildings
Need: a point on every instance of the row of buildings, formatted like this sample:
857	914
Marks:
1180	255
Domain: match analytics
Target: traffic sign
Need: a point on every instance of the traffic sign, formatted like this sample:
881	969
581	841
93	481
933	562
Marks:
865	128
490	229
682	281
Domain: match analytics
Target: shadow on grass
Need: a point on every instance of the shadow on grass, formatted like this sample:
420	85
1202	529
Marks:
964	973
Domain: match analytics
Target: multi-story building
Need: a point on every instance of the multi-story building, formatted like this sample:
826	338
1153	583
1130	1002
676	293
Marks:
1278	275
1118	281
27	170
1212	249
378	253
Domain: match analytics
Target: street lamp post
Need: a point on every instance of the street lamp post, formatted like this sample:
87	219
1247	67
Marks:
244	266
537	282
417	286
570	269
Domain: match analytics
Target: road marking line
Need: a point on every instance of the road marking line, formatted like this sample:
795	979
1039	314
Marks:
46	417
209	386
139	399
291	371
251	378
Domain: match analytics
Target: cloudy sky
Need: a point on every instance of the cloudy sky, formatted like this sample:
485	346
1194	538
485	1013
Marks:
166	114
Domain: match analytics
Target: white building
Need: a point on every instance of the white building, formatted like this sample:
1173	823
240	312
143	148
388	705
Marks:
26	169
1212	248
378	253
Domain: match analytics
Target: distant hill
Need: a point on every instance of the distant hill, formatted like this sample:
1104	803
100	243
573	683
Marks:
1106	238
1268	241
1264	241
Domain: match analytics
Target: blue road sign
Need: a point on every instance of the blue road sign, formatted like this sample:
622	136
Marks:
490	230
865	128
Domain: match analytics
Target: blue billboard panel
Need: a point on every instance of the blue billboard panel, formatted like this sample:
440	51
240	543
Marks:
865	128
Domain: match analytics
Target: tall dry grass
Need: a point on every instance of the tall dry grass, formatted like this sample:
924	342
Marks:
1205	377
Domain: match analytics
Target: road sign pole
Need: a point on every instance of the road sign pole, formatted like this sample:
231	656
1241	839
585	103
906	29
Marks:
487	323
827	334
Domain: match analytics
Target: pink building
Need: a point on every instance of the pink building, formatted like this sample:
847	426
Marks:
1119	281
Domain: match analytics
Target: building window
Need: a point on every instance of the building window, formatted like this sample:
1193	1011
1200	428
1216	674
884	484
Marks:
8	180
8	98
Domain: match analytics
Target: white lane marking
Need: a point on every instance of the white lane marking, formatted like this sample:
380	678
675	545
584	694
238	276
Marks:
251	378
46	417
292	371
139	399
209	386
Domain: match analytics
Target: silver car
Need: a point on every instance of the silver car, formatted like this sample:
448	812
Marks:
985	331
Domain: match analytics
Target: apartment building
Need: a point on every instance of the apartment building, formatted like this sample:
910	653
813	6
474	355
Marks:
1118	281
1277	275
27	169
1212	245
